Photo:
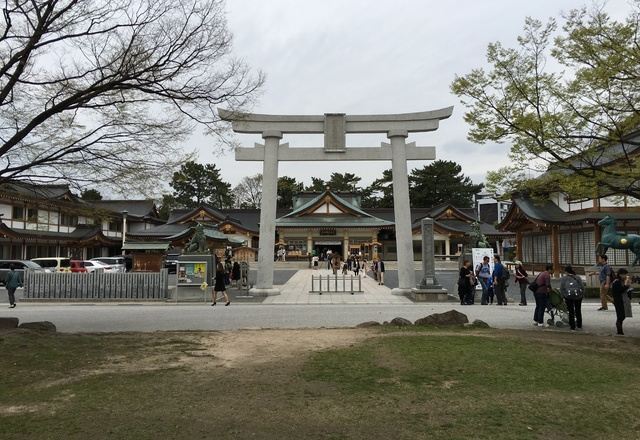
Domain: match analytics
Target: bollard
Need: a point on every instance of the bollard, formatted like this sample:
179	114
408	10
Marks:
352	284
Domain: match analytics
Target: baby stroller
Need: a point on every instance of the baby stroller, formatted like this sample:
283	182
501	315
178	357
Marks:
557	309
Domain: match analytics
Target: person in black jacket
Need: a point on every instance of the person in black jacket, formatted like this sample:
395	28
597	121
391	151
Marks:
619	288
220	285
464	283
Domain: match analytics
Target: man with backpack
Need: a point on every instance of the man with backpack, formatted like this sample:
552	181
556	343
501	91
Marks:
483	274
500	281
572	290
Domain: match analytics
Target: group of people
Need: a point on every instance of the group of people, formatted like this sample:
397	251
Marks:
615	287
352	263
494	282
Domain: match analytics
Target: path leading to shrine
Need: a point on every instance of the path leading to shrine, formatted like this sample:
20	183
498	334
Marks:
296	291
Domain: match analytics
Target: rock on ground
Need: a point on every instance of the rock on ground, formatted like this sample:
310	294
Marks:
368	324
452	317
400	322
41	326
8	323
480	324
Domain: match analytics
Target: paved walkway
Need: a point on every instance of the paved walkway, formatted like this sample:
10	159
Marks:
164	316
296	291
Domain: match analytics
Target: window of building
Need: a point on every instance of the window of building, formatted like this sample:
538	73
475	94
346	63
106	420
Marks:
68	220
17	213
32	215
115	226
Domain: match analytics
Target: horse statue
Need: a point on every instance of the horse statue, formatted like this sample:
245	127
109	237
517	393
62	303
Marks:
198	242
617	240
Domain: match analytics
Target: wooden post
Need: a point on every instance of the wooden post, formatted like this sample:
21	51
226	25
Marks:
519	246
555	250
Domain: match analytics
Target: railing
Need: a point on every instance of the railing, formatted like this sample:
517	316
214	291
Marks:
96	286
335	283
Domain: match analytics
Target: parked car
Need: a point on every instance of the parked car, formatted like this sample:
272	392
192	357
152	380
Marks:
77	266
97	266
116	263
19	266
54	264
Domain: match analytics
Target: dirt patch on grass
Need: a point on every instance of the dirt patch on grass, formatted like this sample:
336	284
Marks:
249	348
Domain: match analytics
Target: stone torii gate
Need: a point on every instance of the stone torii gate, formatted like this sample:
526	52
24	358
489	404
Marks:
334	126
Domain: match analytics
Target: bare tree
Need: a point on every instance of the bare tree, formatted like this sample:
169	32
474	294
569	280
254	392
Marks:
248	193
103	91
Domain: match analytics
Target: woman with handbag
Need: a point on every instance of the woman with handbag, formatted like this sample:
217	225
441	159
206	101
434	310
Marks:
541	294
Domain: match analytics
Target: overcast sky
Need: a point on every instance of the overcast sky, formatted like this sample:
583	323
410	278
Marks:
365	57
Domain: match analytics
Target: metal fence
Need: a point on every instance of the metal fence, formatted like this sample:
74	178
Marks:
96	286
335	283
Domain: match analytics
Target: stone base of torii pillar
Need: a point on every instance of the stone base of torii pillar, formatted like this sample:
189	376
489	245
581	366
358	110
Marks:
428	290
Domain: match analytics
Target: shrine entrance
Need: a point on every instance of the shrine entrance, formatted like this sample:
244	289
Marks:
335	126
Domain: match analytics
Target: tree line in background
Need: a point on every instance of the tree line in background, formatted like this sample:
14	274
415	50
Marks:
197	184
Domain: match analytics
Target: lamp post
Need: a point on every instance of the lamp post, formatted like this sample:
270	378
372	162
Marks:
124	229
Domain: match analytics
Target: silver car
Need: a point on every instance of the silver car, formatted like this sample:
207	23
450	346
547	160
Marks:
116	263
19	265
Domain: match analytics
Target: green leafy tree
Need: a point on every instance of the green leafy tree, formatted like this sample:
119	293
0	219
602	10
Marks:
317	185
346	182
568	102
196	184
167	204
92	195
380	193
287	188
441	182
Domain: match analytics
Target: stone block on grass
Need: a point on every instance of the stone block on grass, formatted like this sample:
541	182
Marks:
400	322
479	323
8	323
452	317
41	326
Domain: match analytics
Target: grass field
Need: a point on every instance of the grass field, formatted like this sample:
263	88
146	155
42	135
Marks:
313	384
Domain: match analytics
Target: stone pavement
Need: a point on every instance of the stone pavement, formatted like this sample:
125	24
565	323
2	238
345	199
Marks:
169	316
296	291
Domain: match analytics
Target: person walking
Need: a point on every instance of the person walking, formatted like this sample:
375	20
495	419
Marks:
605	277
500	281
523	281
483	273
619	288
381	272
219	285
572	290
12	281
364	268
464	283
235	273
543	283
356	266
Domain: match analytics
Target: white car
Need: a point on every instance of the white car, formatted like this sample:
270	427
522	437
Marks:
116	263
97	266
